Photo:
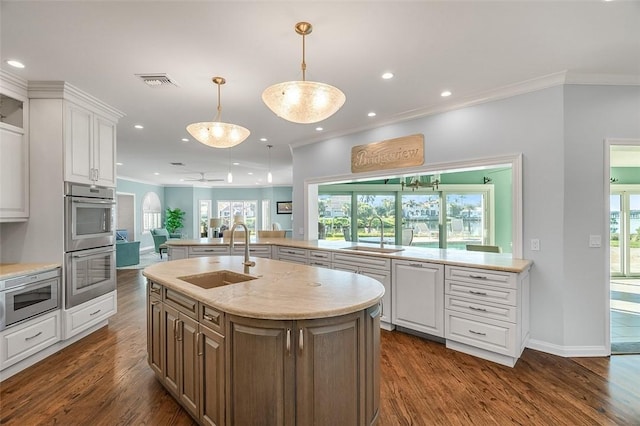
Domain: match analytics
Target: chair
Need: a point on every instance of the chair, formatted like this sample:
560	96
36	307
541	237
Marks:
346	231
271	234
127	253
275	226
457	225
160	237
422	229
478	247
226	234
407	237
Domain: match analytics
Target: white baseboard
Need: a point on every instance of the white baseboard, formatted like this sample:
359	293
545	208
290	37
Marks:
569	351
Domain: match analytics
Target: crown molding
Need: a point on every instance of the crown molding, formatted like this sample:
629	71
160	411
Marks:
7	77
603	79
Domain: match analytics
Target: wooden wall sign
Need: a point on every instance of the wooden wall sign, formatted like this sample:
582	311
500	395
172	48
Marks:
407	151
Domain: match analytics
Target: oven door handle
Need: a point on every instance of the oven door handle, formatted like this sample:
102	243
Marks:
112	203
79	256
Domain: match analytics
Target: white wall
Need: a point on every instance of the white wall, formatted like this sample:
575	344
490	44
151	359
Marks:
555	168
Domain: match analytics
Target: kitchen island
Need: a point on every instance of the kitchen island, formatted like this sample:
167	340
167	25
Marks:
276	343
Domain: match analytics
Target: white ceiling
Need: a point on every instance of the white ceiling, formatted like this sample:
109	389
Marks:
471	48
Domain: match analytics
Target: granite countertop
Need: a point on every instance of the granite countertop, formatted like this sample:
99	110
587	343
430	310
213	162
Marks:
281	290
473	259
12	270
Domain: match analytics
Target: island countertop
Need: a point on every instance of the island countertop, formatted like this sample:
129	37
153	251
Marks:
472	259
281	290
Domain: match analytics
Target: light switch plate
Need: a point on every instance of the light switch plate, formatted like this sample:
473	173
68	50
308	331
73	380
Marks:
595	241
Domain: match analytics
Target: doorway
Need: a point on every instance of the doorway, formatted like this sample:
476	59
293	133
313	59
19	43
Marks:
624	243
126	215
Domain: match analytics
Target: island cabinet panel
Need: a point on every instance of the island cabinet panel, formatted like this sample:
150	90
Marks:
188	377
154	334
261	362
212	366
372	363
329	370
171	353
418	296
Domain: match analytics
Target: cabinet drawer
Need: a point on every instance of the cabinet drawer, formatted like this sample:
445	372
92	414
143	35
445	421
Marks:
24	340
293	259
481	293
89	314
254	250
212	318
184	304
154	289
320	255
492	335
363	260
200	251
320	263
485	310
291	252
481	276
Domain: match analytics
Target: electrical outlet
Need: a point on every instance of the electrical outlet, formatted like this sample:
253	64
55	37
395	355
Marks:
595	241
535	244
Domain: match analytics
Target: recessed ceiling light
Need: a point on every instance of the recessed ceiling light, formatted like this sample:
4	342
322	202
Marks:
236	164
156	173
139	126
250	173
263	139
319	129
118	164
15	64
445	94
184	140
371	114
387	75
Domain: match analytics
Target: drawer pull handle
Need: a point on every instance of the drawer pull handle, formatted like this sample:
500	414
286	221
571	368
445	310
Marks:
210	318
479	277
473	308
155	290
301	340
34	336
288	341
478	293
200	344
477	333
416	265
95	313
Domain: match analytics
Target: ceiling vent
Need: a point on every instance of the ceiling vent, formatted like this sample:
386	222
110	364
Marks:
177	164
156	80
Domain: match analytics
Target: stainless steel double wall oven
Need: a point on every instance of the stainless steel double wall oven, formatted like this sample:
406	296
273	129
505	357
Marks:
90	269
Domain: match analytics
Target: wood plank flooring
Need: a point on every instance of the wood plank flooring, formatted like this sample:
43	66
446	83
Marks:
104	380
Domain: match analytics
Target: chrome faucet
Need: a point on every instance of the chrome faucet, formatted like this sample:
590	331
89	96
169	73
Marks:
247	262
381	229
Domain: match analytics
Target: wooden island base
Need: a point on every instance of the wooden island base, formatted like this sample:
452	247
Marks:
227	369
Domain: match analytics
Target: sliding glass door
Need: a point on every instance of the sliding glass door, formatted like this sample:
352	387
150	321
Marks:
625	230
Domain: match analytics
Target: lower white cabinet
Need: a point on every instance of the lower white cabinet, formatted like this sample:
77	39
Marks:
82	317
291	254
175	253
26	339
255	250
204	251
418	296
487	313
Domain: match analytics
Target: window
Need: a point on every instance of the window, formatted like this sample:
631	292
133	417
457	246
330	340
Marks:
369	208
205	215
334	217
245	208
151	212
266	215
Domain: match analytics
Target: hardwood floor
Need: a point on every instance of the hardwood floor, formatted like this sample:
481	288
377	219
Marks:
104	380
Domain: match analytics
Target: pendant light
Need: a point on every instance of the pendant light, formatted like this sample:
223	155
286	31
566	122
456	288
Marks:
303	101
269	175
216	133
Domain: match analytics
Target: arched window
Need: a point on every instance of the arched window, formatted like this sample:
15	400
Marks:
151	212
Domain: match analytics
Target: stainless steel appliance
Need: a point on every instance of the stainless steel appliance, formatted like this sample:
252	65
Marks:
25	297
89	274
89	217
90	260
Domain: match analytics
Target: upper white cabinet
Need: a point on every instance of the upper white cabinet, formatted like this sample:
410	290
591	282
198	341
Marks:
90	147
87	127
14	149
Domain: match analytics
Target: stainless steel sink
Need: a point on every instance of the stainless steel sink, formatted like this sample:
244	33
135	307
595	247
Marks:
216	279
374	249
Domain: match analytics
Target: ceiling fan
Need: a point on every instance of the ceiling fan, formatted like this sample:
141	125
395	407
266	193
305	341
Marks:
202	178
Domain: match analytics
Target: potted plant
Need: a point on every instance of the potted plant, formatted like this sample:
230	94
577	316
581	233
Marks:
174	219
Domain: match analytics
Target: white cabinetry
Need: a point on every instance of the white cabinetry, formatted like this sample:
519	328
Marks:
176	253
255	250
204	251
487	313
14	149
418	296
86	315
28	338
292	254
377	268
90	147
320	258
